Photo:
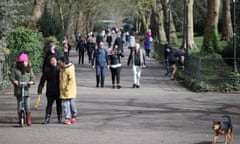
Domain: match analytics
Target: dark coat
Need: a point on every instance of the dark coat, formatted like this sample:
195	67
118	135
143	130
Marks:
51	75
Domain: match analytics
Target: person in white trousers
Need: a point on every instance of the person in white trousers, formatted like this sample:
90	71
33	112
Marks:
138	62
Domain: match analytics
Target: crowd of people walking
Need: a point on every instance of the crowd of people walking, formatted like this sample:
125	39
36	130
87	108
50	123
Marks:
104	51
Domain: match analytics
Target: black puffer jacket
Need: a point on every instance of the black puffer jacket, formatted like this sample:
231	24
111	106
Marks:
51	75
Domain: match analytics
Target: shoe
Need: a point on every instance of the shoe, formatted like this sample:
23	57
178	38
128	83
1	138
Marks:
97	86
59	119
172	79
73	120
118	87
46	121
67	121
134	85
166	74
113	86
137	86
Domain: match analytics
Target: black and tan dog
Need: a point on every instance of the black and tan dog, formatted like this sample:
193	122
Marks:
224	128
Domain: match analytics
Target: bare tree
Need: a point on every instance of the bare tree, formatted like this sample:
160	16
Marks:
227	30
190	26
158	25
210	44
38	10
171	30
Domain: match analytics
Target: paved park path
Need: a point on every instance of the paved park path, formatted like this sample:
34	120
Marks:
160	112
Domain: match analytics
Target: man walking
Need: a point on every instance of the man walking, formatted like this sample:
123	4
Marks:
100	63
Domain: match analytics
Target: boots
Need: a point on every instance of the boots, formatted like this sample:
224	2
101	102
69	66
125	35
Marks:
28	119
47	119
59	119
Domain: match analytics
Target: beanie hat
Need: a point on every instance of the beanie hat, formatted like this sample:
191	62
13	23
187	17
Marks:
22	57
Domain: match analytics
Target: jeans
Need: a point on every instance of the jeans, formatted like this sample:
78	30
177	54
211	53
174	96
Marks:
26	103
100	74
70	109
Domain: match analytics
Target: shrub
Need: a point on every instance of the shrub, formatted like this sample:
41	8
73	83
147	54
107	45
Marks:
27	40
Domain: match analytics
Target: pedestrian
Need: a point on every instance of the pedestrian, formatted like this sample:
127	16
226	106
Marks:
52	50
81	50
119	42
68	90
175	57
100	63
127	35
90	46
167	52
115	65
132	43
147	46
77	38
109	39
99	38
51	76
65	47
22	72
138	62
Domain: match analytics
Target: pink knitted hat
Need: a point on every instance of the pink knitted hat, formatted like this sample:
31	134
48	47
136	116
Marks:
23	57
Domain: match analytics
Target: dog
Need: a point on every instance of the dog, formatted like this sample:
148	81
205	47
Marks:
224	128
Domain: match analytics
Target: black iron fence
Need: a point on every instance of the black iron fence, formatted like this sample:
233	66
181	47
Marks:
207	69
5	69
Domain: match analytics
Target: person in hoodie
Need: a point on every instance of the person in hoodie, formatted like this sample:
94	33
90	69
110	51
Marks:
51	76
68	90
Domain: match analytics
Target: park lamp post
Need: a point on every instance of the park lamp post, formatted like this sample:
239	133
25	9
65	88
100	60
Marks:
234	38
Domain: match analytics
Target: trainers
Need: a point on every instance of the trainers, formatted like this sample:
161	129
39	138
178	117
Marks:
67	121
73	120
118	87
134	85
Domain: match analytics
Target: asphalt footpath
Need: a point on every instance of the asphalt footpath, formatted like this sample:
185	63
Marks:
161	111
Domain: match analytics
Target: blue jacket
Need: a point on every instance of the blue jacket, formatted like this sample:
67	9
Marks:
100	57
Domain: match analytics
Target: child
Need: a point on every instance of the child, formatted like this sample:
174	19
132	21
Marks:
68	92
22	73
51	75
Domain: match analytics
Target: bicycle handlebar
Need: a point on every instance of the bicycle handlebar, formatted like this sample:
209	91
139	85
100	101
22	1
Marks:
24	84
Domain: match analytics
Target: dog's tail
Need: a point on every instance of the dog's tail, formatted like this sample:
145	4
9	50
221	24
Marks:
228	117
229	122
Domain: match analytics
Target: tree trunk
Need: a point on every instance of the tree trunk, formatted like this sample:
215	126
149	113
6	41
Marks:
210	42
172	30
170	26
157	13
38	9
71	21
60	10
80	26
227	31
191	43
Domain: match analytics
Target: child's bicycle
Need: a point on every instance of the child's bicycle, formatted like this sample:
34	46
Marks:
23	85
